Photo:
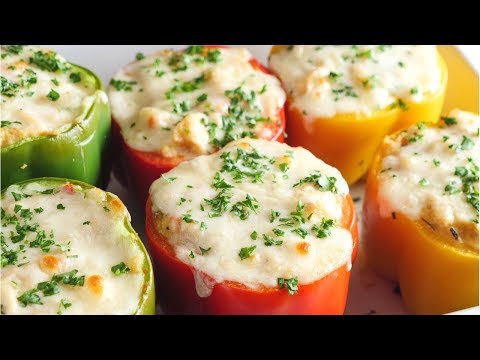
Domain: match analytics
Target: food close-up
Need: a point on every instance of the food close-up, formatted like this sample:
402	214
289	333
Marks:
55	118
172	106
239	179
68	247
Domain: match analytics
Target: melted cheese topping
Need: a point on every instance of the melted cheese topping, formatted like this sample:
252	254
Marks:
197	209
189	103
41	94
431	173
62	230
325	80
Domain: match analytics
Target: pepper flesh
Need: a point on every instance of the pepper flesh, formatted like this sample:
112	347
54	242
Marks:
146	304
349	141
435	277
327	295
78	153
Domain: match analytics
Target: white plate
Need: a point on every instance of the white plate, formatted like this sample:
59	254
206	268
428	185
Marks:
368	294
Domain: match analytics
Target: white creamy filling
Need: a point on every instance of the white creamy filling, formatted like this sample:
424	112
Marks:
184	122
179	196
424	178
325	80
39	101
86	237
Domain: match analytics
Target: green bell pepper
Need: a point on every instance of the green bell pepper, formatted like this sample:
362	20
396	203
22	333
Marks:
146	303
78	152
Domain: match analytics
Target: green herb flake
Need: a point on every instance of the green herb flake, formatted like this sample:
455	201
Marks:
64	305
120	269
204	251
290	284
122	85
246	252
449	121
53	95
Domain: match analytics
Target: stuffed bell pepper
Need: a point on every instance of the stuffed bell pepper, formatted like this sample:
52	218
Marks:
421	213
256	228
172	106
68	248
55	118
343	99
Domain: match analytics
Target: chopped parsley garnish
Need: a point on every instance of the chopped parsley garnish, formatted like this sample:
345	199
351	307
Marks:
53	95
122	85
204	251
219	204
269	241
191	255
70	278
48	61
75	77
449	121
283	167
402	105
273	215
29	297
290	284
254	235
86	223
169	179
278	232
139	56
241	208
423	182
324	183
436	162
246	252
188	218
65	304
7	88
60	207
6	123
202	98
220	183
334	76
120	269
48	288
323	229
467	143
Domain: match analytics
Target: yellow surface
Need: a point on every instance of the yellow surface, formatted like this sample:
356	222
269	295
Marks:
463	87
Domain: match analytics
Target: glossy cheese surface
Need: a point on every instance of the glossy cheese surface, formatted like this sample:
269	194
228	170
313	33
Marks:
254	212
430	173
59	245
182	104
326	80
41	93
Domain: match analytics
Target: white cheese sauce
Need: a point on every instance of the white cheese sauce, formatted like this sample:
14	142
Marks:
81	231
214	229
325	80
41	93
424	173
187	103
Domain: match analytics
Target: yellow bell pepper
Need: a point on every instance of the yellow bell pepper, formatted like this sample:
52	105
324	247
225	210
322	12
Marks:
435	276
349	141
